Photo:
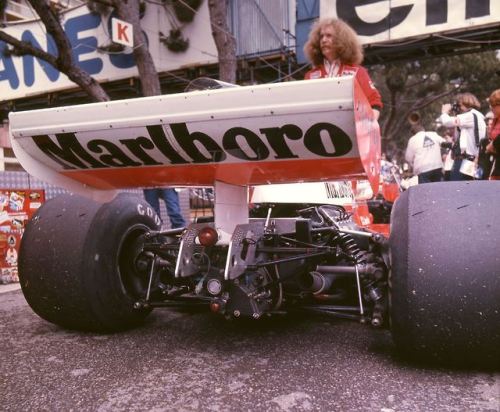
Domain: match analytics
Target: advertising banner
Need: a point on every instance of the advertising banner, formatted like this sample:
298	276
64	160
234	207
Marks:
90	35
378	21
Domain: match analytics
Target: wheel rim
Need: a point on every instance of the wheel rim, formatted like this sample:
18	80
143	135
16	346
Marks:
134	276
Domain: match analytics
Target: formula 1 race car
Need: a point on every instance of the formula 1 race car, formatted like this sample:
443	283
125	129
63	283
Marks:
286	162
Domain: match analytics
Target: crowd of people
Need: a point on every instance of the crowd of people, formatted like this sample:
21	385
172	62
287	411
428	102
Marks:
468	147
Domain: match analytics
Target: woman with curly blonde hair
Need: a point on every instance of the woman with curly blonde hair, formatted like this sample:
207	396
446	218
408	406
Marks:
334	50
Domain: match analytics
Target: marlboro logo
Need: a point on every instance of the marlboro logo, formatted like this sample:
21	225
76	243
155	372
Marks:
236	144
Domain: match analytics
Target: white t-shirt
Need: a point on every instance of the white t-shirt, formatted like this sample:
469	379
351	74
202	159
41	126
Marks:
465	121
424	152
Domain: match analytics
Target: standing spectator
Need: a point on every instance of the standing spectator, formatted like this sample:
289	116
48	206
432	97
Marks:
334	50
171	199
485	159
472	128
494	134
423	153
488	118
448	135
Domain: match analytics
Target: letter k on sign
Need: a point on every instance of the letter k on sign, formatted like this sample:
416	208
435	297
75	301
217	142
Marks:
122	32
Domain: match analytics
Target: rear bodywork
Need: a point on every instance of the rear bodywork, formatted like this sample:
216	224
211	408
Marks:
288	142
289	164
305	131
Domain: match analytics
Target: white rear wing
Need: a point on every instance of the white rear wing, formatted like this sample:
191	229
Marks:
301	131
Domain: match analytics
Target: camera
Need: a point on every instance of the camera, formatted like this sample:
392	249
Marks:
455	109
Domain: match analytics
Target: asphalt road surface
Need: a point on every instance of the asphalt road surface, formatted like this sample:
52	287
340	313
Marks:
196	361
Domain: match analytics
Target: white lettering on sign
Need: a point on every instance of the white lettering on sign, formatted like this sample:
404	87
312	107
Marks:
122	32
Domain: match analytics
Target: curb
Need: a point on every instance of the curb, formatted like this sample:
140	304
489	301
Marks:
9	288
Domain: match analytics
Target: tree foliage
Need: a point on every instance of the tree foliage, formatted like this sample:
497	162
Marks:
422	86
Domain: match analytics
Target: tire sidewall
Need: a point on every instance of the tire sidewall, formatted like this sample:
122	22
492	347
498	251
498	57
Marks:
398	274
111	303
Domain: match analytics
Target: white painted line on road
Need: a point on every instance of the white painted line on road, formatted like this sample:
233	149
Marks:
10	287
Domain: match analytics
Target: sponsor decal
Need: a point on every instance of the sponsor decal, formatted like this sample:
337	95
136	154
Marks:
339	190
4	216
428	142
11	257
316	74
157	147
16	201
147	211
349	72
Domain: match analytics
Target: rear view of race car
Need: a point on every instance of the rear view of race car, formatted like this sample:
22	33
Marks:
87	265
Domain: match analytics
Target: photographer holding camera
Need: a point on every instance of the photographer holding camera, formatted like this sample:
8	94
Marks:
471	128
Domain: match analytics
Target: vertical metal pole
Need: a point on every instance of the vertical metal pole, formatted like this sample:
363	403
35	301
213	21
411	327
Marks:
361	310
151	272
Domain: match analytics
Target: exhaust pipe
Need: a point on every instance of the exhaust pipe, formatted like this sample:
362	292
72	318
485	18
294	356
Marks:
315	282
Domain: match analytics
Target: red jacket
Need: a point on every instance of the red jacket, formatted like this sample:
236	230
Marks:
495	138
495	129
362	76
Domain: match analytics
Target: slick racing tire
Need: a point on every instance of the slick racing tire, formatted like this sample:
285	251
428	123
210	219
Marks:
445	274
77	262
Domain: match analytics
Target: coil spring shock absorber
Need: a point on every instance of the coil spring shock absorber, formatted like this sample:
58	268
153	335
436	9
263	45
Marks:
349	245
345	240
372	292
360	257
